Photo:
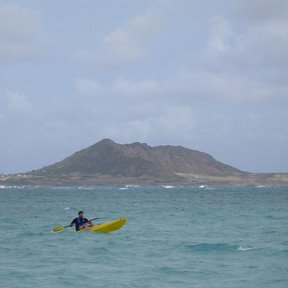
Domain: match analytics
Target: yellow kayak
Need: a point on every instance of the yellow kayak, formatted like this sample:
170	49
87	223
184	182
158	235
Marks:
107	227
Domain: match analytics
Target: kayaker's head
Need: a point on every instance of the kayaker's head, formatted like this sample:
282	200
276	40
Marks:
81	214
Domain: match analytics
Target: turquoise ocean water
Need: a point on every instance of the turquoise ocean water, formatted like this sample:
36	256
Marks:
207	236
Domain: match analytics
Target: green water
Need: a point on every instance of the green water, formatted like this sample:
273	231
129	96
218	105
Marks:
219	236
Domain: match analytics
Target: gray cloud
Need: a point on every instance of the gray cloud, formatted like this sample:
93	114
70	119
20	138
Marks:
20	33
253	42
261	10
124	45
205	75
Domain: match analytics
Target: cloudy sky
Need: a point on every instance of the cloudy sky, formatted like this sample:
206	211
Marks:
208	75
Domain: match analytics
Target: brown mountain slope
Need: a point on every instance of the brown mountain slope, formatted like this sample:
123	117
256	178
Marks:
135	160
107	162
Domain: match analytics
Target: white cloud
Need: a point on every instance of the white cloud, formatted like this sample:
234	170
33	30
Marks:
145	88
122	87
264	44
170	122
240	64
17	102
144	26
124	45
87	87
21	36
254	54
221	31
188	88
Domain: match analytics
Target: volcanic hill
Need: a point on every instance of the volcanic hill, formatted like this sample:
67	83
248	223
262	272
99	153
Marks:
107	162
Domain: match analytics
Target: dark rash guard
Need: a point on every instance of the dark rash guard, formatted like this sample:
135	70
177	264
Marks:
79	222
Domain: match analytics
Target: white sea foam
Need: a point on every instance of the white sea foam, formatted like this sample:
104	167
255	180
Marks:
85	188
168	186
66	208
12	187
206	187
243	249
131	186
123	188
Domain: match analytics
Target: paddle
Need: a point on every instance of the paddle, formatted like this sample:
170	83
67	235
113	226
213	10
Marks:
58	229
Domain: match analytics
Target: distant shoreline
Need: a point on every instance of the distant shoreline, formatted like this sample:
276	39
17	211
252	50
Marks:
187	179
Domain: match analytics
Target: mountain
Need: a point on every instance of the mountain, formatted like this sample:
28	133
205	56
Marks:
136	160
107	162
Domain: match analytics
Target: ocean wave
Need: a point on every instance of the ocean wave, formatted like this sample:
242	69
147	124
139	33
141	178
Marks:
216	247
206	187
244	249
168	186
85	188
210	247
261	186
131	186
12	187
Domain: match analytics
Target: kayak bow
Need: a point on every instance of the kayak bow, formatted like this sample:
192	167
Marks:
107	227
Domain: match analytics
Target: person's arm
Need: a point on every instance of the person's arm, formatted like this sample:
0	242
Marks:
73	222
88	221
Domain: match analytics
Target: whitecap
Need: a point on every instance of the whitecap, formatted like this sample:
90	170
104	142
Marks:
243	249
85	188
12	187
168	186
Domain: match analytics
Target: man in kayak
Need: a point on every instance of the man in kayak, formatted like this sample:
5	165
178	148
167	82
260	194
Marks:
81	222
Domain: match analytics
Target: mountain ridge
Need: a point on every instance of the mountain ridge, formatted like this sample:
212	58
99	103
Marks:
137	159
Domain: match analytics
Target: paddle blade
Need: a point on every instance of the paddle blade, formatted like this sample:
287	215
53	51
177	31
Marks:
57	229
